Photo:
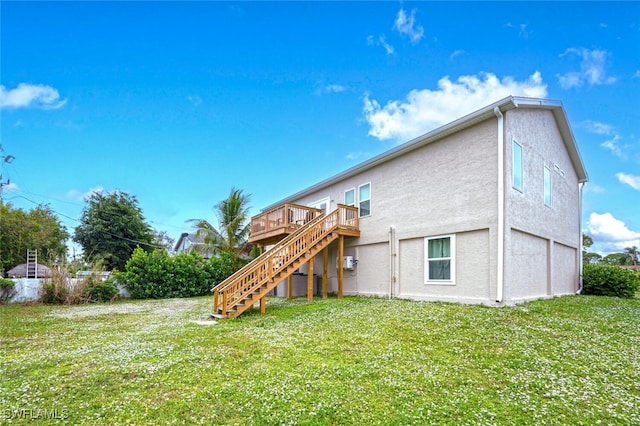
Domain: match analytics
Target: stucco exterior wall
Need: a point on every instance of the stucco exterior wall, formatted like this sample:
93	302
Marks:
564	267
446	187
532	228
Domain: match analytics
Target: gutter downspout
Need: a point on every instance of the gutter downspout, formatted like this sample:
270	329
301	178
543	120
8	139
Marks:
580	260
500	257
392	260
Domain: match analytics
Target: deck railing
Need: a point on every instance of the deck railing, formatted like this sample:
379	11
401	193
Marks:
271	263
285	216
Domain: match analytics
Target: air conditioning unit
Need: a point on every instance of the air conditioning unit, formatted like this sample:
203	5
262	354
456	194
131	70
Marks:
348	263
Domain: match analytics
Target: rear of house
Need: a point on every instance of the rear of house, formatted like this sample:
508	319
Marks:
483	210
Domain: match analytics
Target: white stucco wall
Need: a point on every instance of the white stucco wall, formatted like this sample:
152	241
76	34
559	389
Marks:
533	229
446	187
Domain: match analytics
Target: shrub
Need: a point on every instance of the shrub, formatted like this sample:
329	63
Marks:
101	291
606	280
56	288
7	290
157	275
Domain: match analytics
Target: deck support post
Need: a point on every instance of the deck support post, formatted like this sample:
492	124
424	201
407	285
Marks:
263	305
290	287
310	280
340	269
325	271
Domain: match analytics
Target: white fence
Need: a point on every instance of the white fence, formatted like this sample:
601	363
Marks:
29	289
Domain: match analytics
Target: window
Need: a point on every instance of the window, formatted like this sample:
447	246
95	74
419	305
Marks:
517	166
364	199
547	186
350	197
440	266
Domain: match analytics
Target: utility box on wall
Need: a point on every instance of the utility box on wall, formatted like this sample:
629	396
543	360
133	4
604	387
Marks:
348	263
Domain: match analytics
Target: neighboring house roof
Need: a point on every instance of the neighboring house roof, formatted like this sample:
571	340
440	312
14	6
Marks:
185	242
20	271
488	112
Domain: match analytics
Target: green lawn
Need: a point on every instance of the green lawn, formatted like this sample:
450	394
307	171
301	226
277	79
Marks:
364	361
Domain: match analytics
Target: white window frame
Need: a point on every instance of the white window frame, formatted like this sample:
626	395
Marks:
360	200
317	204
452	260
513	166
547	187
354	197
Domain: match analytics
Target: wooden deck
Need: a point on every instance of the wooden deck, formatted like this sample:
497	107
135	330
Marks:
271	226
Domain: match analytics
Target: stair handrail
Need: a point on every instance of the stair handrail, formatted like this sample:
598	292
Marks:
230	296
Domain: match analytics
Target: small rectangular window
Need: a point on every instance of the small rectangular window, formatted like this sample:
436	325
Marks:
364	199
440	253
350	197
517	166
547	186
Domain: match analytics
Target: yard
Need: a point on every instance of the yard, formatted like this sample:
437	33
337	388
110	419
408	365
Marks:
365	361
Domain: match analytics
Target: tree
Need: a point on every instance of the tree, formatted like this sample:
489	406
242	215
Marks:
233	227
587	241
37	229
112	226
633	252
162	239
591	258
617	259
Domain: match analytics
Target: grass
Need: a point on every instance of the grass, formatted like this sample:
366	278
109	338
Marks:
570	360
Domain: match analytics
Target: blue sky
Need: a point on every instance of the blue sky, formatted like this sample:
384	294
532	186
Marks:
176	103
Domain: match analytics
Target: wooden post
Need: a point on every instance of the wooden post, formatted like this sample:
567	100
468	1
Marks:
290	287
340	270
263	305
310	280
325	271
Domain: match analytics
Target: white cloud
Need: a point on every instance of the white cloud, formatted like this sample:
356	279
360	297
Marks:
631	180
76	195
11	187
456	53
592	68
611	232
522	28
406	25
195	100
598	127
424	110
31	95
334	88
614	146
381	41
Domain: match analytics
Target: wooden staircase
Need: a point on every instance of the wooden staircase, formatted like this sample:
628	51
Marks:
251	284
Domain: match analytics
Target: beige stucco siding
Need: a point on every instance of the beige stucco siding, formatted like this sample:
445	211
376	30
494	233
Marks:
473	267
533	229
527	267
446	187
564	269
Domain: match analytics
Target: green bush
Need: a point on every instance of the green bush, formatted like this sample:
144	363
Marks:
7	290
606	280
102	291
157	275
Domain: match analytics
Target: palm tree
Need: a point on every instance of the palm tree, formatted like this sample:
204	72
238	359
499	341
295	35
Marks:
233	227
633	252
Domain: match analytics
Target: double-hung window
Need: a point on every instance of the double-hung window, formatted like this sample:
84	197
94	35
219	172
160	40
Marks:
350	197
440	259
364	199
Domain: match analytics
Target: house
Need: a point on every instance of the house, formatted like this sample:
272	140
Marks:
189	242
486	209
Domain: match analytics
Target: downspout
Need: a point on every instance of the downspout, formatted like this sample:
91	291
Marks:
392	239
500	257
580	260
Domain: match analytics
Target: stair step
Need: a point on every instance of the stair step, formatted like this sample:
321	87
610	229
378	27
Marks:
218	316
